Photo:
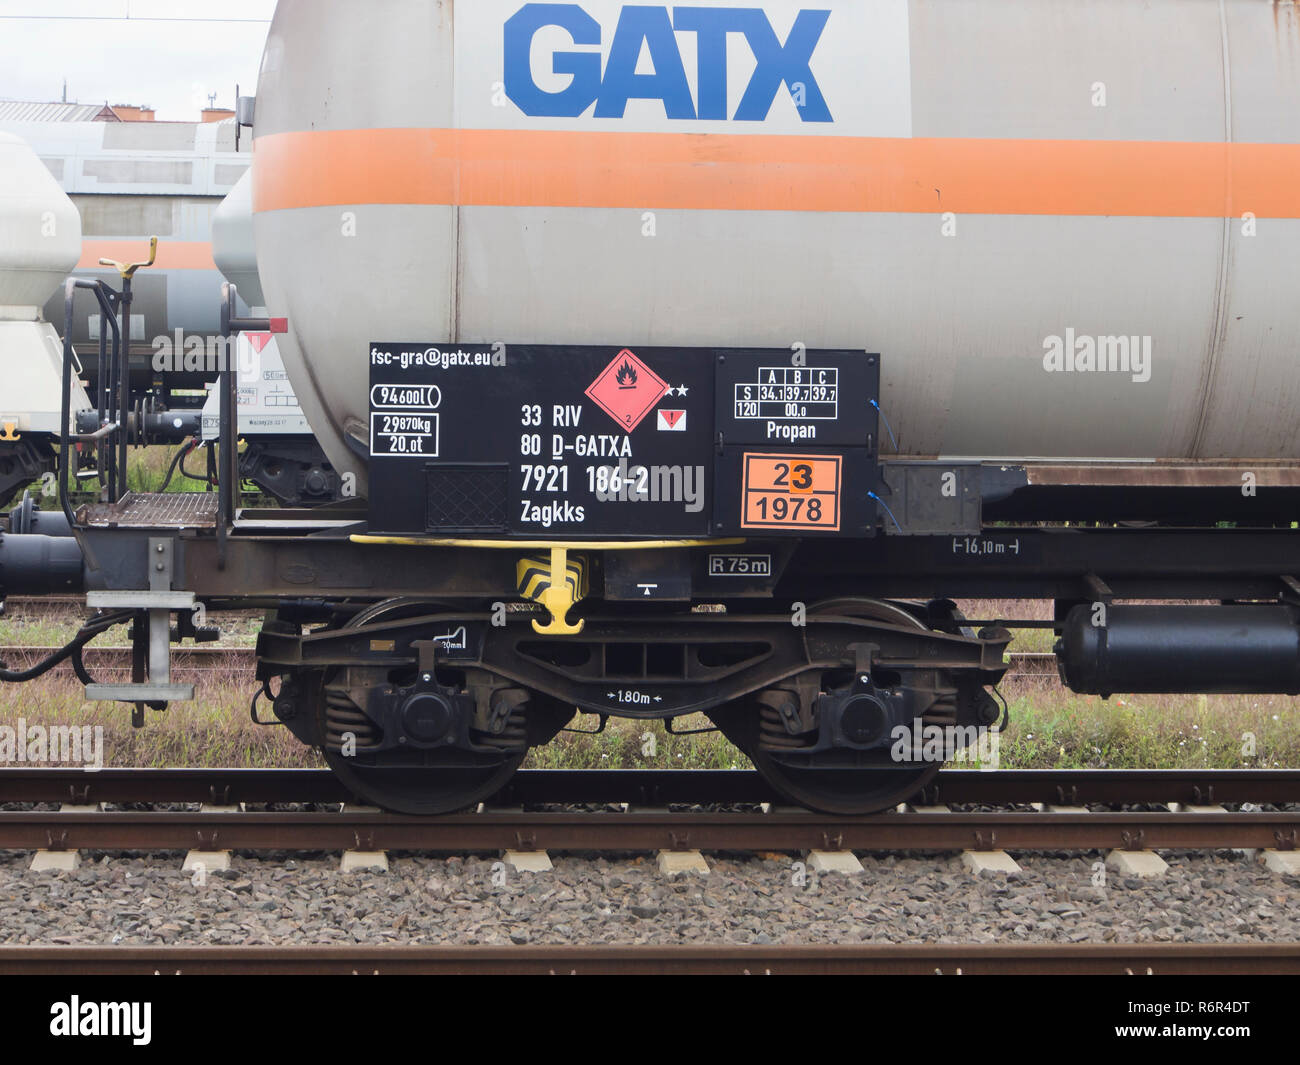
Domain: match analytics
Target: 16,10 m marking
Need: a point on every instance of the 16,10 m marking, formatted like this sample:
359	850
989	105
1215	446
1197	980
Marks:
978	547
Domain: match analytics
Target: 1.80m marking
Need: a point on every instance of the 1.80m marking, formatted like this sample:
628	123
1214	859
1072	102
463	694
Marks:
630	697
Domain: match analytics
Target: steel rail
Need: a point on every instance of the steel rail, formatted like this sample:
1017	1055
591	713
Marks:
695	959
656	787
199	656
75	829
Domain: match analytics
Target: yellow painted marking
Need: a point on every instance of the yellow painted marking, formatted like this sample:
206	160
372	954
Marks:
529	545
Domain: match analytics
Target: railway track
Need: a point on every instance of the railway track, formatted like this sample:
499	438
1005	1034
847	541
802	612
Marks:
647	787
1166	959
643	830
196	658
613	831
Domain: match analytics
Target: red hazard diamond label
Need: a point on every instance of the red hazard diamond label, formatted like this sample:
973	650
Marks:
258	340
627	390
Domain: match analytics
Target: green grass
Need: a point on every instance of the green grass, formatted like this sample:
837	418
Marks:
1024	641
147	470
1049	728
214	730
53	626
1053	728
628	744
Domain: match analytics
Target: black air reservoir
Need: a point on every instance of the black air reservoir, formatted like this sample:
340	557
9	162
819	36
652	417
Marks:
1182	649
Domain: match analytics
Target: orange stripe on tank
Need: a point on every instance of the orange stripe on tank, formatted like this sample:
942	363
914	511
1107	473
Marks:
172	254
732	172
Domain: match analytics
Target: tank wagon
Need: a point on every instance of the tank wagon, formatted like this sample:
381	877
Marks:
133	180
694	359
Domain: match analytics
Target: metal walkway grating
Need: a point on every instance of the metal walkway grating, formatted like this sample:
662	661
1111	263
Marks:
166	510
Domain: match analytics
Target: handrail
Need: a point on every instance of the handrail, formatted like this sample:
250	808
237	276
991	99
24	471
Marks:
103	295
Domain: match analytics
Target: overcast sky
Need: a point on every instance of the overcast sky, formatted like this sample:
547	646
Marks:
159	56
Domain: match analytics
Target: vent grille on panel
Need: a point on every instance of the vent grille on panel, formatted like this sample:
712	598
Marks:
468	498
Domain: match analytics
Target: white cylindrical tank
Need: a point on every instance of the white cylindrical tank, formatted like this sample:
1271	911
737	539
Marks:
40	231
233	249
40	244
996	196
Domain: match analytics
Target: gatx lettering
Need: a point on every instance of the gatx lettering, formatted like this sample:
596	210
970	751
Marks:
656	31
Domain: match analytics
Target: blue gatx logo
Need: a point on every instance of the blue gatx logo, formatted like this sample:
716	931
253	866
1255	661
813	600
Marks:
652	28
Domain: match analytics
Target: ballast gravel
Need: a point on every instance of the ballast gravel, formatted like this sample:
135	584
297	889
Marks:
267	900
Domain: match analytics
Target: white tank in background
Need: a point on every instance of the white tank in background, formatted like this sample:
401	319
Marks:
40	244
267	405
131	181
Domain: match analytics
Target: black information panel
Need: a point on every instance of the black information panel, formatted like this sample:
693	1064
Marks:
553	443
809	400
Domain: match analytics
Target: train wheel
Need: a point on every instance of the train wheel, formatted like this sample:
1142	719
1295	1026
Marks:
442	789
839	781
850	790
437	781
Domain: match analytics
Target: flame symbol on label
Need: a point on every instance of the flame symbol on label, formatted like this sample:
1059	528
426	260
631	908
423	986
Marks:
626	375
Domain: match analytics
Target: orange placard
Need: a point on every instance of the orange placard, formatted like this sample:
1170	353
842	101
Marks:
791	492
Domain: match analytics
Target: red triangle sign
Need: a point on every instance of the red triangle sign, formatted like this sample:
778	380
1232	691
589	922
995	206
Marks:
627	390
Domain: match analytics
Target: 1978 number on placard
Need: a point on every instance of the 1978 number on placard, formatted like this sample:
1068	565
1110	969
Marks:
791	492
